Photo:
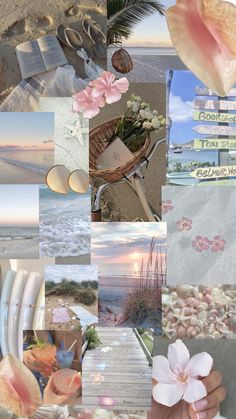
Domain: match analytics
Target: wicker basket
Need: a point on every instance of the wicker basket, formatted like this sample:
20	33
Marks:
97	136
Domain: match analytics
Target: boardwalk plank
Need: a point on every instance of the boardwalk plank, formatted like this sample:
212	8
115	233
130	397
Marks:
124	369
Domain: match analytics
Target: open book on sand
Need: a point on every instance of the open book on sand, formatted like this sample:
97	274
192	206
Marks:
40	55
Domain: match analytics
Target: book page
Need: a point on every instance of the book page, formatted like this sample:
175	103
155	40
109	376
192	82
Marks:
29	58
52	52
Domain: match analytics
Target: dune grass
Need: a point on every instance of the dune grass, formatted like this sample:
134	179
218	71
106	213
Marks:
83	292
144	301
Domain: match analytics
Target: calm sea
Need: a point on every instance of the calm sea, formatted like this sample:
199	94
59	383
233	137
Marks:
36	161
150	51
188	156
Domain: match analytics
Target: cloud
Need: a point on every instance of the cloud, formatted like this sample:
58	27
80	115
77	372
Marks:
180	111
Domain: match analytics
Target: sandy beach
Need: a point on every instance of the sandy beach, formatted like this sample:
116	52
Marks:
52	302
22	20
149	68
119	203
11	174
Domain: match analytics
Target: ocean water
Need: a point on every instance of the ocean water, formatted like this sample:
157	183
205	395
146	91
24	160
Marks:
18	233
19	242
192	155
150	51
64	227
35	161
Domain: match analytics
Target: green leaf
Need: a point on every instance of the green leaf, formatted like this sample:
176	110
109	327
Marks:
124	15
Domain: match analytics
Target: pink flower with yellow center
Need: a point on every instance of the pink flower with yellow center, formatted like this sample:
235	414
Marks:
177	375
97	378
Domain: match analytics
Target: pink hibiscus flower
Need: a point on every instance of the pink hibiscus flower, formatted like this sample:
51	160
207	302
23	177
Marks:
201	243
184	224
107	85
106	402
218	244
86	103
177	375
167	206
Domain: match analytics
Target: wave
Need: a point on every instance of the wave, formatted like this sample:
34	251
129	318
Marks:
28	166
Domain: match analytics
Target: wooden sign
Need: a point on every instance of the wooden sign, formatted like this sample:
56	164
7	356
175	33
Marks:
218	105
215	143
204	91
214	117
227	182
213	172
215	130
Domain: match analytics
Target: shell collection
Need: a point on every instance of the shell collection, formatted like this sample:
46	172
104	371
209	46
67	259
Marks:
196	311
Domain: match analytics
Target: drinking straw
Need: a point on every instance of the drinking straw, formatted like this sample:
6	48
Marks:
68	350
35	335
73	379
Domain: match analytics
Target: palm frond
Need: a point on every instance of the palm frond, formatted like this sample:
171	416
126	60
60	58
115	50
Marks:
124	15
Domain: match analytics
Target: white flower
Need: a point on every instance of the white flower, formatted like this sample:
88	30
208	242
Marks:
163	121
155	123
144	105
129	104
147	125
177	375
146	114
136	106
155	112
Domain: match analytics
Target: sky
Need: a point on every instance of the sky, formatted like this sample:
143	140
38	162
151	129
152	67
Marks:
19	205
26	131
152	31
76	273
181	109
119	248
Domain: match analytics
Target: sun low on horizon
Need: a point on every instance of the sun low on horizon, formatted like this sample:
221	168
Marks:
125	248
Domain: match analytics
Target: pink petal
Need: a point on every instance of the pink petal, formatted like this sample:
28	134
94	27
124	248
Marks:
112	95
178	355
195	391
199	365
122	84
161	371
77	107
210	50
168	394
91	111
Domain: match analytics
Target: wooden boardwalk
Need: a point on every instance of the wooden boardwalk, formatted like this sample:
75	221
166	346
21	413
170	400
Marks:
117	371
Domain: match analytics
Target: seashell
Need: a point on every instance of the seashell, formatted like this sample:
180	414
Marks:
164	322
189	332
203	306
174	296
193	321
181	332
177	311
121	61
188	311
185	291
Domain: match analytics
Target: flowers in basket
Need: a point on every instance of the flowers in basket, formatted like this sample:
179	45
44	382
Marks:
137	123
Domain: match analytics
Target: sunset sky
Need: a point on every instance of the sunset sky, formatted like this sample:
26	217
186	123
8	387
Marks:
152	31
119	248
26	131
19	205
